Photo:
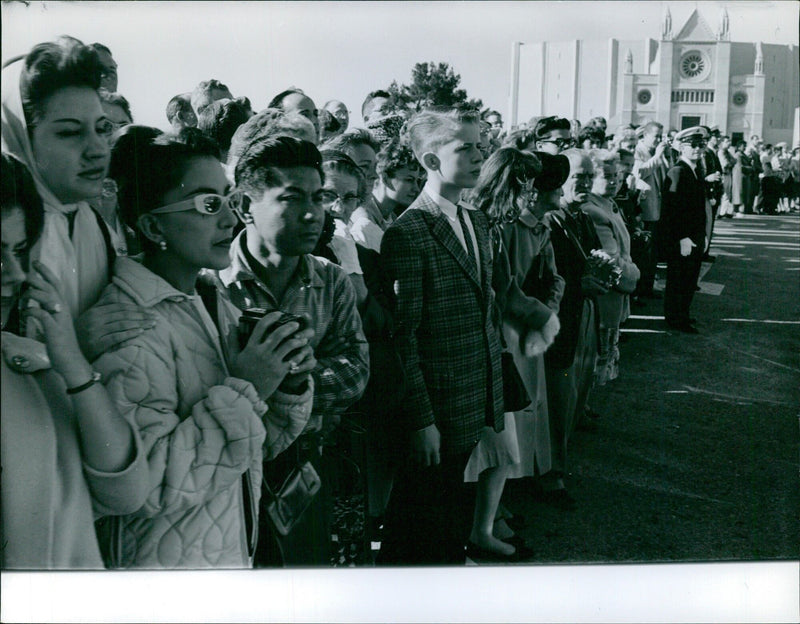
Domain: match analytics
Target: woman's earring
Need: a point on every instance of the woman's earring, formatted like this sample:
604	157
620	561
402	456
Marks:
162	245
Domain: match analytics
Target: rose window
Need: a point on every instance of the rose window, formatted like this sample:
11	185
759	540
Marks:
694	65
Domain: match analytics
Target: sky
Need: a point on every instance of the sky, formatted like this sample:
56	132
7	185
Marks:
343	50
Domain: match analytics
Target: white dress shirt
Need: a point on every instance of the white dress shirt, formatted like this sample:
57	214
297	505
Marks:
450	210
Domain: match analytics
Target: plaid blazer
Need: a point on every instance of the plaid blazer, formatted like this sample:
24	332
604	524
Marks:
443	325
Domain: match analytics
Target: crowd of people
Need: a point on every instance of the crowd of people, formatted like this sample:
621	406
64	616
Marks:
211	333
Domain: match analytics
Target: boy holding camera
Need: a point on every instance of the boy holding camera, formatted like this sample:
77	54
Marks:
272	269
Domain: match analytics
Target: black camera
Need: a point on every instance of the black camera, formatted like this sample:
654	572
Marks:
251	316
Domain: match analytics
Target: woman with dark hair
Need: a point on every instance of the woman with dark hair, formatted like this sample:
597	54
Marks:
54	123
527	293
64	446
208	411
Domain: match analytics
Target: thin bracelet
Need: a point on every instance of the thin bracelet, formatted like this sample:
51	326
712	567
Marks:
94	379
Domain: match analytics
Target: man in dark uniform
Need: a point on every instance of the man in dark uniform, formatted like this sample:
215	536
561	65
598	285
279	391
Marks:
712	174
683	217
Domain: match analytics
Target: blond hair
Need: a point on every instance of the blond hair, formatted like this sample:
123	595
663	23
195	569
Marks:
433	127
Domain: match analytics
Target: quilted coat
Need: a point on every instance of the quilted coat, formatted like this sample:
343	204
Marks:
204	432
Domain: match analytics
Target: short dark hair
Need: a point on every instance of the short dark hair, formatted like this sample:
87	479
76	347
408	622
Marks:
547	124
18	190
352	138
394	156
116	99
255	169
52	66
221	119
100	47
180	103
593	134
382	93
269	122
146	163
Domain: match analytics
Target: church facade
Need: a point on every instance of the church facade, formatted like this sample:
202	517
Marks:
695	76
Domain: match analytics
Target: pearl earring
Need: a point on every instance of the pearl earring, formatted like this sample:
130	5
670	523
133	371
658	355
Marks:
162	245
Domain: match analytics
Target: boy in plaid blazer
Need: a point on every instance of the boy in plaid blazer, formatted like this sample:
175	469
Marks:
437	260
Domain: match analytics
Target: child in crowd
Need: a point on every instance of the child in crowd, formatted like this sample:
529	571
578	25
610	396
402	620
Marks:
437	259
397	185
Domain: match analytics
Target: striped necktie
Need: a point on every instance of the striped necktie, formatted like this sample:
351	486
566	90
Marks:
467	237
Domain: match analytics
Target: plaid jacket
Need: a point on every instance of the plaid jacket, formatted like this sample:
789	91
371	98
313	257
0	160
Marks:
444	330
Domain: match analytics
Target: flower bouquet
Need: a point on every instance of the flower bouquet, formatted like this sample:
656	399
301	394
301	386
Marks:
602	266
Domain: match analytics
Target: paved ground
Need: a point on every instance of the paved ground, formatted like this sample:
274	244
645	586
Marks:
696	455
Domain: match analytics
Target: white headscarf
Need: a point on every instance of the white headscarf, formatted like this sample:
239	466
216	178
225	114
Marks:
79	262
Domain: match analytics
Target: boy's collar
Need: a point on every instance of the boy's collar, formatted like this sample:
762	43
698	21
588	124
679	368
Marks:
445	204
240	269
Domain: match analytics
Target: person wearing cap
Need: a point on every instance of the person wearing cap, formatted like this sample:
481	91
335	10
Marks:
650	169
683	228
553	135
570	361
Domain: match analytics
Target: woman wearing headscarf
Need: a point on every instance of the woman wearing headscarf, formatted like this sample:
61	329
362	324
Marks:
54	123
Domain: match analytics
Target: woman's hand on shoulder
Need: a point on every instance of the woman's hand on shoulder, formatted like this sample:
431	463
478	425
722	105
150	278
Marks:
108	326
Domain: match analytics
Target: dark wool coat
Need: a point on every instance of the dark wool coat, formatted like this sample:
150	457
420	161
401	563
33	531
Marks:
570	262
683	209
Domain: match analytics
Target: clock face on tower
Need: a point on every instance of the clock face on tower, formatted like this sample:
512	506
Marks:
694	65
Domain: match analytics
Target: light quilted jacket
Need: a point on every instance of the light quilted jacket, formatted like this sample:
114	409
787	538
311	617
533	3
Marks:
205	433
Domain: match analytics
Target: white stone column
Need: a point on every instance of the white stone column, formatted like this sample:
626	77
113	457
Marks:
664	97
722	86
